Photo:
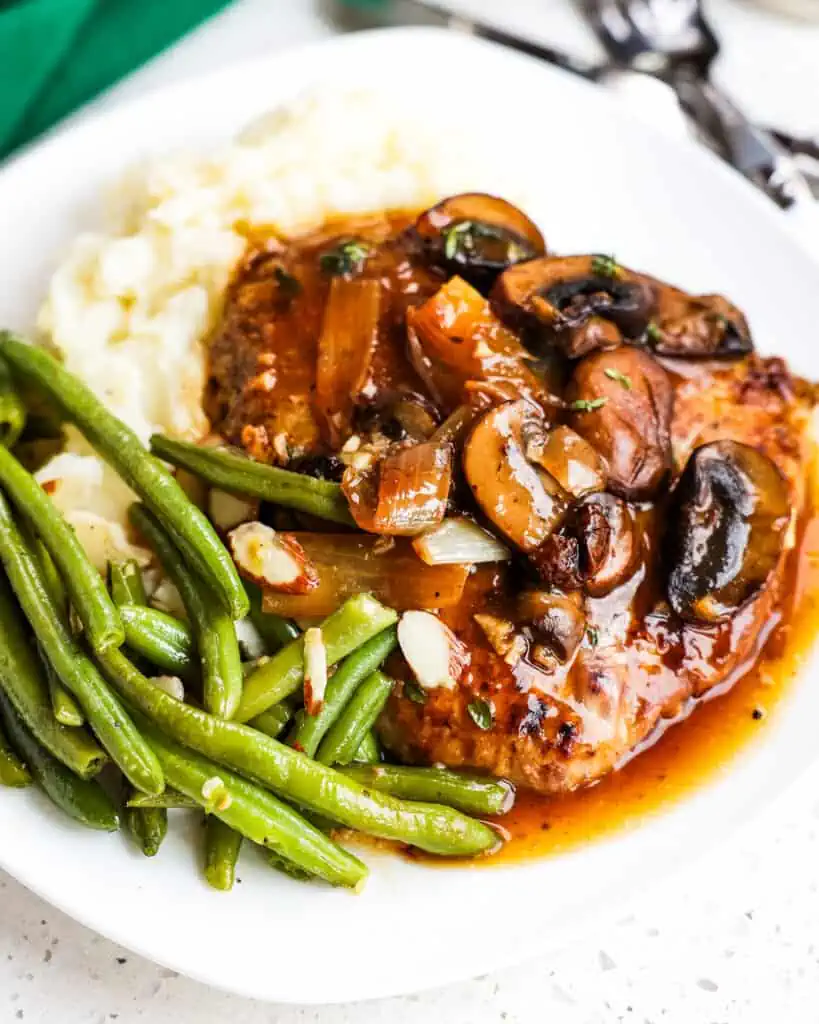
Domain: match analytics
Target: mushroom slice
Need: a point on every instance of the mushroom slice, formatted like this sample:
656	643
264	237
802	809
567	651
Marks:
575	303
729	520
697	326
524	502
598	547
621	403
571	460
557	622
477	236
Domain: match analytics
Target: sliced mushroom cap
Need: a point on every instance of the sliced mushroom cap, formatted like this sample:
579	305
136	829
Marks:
571	460
524	502
597	548
477	236
621	403
697	326
557	622
729	520
575	303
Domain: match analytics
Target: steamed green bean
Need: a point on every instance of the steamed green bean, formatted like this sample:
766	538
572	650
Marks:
82	799
240	475
148	826
121	448
104	712
222	846
213	627
342	741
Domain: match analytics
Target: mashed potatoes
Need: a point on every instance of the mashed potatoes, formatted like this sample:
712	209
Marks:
129	309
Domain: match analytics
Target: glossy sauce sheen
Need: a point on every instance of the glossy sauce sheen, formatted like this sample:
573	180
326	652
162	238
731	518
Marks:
263	365
683	757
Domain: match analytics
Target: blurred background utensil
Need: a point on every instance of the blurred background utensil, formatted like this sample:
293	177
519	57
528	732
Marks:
673	40
661	53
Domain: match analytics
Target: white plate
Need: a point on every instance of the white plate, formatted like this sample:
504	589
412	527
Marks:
602	182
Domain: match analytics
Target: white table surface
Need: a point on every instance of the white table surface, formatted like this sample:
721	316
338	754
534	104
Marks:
732	939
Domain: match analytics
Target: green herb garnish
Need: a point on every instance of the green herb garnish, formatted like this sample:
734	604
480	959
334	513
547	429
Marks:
653	332
588	404
621	378
345	258
416	693
604	266
594	635
461	241
481	713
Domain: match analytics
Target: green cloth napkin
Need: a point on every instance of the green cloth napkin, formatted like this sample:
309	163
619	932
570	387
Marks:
56	55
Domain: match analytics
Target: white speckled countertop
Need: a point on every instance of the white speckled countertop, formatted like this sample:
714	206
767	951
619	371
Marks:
732	939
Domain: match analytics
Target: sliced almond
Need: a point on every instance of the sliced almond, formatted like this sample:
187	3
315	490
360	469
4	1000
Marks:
315	670
172	685
227	511
273	560
433	652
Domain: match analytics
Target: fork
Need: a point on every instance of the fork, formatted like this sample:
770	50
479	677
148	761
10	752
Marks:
673	40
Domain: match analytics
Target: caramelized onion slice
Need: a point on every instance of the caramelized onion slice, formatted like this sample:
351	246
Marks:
404	493
524	502
455	338
349	564
348	336
459	540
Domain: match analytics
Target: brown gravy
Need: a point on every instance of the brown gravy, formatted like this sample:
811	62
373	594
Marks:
688	755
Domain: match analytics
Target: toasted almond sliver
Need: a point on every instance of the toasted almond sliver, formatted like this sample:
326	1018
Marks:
315	670
433	652
272	560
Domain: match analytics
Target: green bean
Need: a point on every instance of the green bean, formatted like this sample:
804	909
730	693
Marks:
126	583
293	775
215	633
369	751
148	826
85	585
342	741
12	409
311	729
240	475
160	638
13	772
66	710
82	799
121	448
473	794
353	624
23	682
169	800
250	811
112	726
222	846
273	629
287	867
272	721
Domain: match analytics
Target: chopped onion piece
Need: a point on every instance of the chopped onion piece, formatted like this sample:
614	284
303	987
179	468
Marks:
348	564
226	510
315	670
433	652
459	540
274	561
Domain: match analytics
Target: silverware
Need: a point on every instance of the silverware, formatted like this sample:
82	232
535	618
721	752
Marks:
644	50
673	40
